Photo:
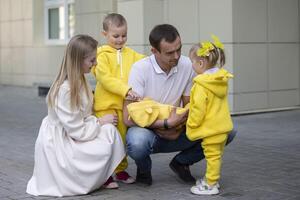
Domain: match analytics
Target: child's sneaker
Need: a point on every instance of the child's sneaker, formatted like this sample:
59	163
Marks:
199	181
110	184
204	189
124	177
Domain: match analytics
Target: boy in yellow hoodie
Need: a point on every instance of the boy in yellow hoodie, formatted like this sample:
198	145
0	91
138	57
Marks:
209	117
114	64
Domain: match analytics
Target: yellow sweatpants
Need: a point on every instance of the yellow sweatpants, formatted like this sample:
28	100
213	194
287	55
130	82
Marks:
122	129
213	148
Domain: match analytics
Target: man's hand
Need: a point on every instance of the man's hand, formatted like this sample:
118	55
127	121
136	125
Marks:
128	122
176	120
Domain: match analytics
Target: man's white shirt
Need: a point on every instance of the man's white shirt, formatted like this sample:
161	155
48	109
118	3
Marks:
149	80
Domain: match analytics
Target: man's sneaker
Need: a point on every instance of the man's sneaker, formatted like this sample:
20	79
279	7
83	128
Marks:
110	184
144	177
183	171
124	177
200	181
204	189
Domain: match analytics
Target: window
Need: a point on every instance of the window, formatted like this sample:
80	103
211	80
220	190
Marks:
59	21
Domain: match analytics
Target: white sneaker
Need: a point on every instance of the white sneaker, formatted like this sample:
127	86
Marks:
199	181
204	189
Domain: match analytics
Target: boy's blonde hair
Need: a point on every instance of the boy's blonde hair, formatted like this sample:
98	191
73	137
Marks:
215	54
71	69
113	19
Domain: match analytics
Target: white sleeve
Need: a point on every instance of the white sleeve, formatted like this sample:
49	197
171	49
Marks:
76	126
189	85
136	79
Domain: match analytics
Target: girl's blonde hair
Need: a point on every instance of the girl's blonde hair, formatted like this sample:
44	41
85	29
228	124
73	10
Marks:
216	54
79	47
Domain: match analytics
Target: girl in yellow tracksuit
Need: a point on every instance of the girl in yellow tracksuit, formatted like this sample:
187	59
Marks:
209	117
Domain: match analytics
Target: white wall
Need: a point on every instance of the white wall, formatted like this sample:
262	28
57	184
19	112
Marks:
266	54
261	42
25	59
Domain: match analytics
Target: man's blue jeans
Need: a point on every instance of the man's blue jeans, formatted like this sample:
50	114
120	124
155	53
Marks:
142	142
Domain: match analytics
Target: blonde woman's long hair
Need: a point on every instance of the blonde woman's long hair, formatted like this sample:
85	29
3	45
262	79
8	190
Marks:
71	69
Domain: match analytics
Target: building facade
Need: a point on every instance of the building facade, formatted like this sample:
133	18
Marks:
261	40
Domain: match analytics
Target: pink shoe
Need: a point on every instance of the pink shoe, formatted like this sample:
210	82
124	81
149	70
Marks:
110	184
124	177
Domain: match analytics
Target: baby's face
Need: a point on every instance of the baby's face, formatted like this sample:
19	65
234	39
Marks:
116	36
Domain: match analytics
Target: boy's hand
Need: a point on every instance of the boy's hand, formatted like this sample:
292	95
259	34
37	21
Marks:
133	96
108	119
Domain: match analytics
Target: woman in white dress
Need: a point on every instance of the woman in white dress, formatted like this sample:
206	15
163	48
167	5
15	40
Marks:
75	152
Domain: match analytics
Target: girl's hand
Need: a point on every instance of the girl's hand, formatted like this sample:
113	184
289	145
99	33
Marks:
108	119
131	95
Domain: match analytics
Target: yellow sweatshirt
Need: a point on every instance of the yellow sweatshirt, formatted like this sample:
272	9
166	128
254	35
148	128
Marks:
112	73
209	113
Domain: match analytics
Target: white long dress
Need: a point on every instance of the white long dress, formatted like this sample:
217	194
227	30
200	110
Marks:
73	154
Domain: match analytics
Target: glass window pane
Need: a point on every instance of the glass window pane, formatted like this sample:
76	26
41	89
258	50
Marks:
53	23
56	23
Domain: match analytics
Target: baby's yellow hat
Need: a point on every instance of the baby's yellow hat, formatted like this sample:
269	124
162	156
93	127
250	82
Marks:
143	113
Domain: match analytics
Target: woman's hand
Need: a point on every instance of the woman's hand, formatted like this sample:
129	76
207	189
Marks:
108	119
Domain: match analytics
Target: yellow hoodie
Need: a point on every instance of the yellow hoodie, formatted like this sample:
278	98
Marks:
209	113
112	74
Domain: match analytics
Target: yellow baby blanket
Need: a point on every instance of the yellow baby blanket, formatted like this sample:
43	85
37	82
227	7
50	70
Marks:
145	112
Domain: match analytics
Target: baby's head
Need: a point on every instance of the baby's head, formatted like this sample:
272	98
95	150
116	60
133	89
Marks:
206	55
115	30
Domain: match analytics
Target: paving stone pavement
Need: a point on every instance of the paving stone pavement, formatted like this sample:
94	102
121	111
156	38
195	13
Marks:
263	162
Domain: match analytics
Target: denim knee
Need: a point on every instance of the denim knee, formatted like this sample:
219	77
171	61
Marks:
231	136
139	142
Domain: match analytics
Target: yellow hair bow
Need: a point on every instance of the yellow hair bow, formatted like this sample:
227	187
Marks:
217	42
207	46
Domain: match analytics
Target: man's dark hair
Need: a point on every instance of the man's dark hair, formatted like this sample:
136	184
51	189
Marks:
161	32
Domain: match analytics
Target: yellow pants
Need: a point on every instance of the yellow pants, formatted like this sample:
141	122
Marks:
213	148
121	128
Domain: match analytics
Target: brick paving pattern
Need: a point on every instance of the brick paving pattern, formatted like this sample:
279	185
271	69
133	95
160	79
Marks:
263	162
